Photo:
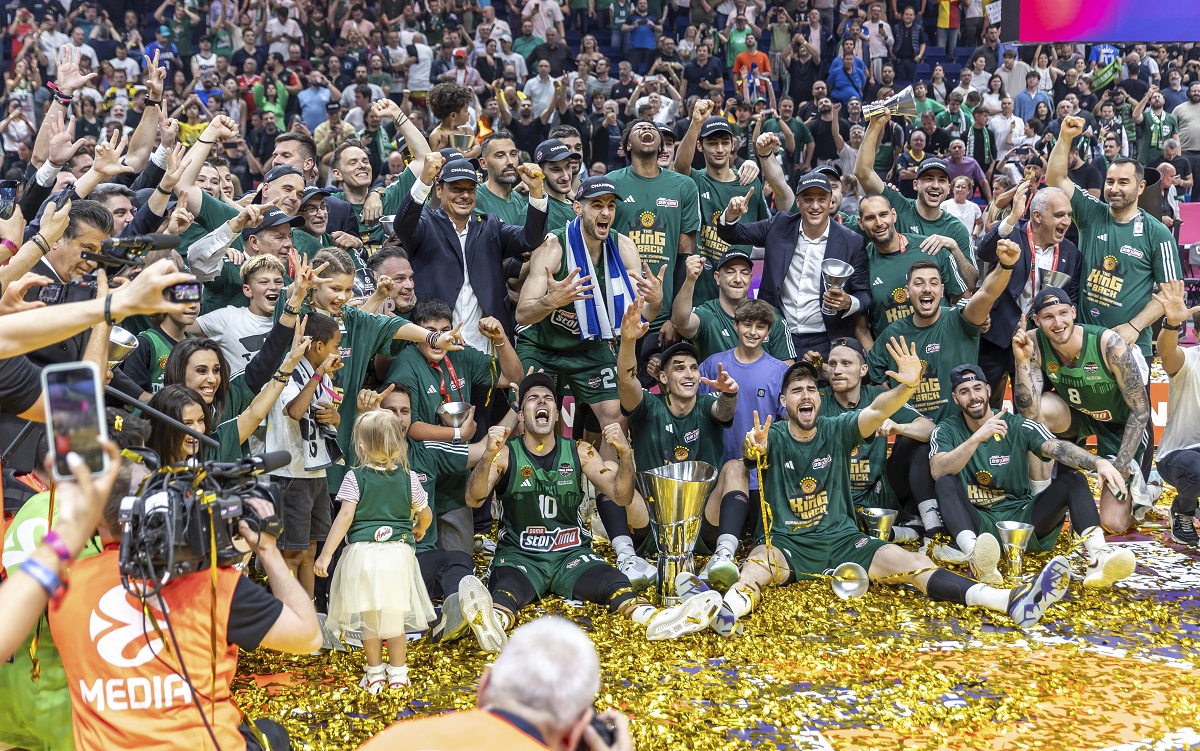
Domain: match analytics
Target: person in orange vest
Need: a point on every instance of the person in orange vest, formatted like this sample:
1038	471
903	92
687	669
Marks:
129	690
538	694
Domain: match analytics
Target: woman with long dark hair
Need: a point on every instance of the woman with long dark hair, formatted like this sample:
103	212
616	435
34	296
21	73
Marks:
172	445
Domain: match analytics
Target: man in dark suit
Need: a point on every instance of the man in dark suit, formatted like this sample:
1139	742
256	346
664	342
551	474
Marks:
795	247
456	255
1049	218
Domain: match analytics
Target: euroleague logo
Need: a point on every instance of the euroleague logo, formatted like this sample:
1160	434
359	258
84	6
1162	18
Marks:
123	635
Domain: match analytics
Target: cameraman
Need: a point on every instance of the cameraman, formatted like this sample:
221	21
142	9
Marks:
538	694
129	691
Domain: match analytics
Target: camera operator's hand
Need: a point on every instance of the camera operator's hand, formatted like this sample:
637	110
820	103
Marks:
144	295
13	300
258	540
622	738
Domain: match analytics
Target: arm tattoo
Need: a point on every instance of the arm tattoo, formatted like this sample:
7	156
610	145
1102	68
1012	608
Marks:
1068	454
723	408
1121	361
1027	388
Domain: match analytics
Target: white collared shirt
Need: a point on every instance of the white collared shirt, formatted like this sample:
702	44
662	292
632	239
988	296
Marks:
801	291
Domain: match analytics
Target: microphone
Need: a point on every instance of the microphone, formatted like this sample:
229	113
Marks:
252	465
143	243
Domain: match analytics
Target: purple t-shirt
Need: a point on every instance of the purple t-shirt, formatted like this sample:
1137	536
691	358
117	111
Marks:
759	384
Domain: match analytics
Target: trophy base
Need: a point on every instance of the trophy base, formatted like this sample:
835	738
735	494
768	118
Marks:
670	566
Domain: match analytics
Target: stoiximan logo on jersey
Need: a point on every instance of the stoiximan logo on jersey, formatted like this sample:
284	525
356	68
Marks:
542	540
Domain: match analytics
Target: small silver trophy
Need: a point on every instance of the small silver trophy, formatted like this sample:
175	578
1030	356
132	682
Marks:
877	522
849	580
1050	278
1014	538
836	273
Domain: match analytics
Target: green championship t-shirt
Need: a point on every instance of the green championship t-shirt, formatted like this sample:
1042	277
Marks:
429	462
1122	261
868	481
511	211
718	334
653	213
714	197
889	275
950	341
910	221
998	471
808	482
663	438
390	200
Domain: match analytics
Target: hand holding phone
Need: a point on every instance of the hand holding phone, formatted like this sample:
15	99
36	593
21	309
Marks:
75	416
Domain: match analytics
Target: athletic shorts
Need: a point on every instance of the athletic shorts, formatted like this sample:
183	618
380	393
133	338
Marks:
307	512
1015	510
549	574
1108	435
812	554
590	372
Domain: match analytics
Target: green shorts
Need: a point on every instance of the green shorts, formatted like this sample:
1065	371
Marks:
591	372
549	574
1108	435
813	554
1015	510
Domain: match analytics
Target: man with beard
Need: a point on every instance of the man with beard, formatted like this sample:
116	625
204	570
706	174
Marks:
555	160
1187	117
980	460
923	215
890	254
828	118
660	213
1155	126
1043	244
1098	388
392	261
717	184
812	527
543	546
496	196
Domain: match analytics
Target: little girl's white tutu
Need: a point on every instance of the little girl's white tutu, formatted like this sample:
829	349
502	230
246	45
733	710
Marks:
377	589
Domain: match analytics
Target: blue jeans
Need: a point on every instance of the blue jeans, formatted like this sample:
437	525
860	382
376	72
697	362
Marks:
947	39
1182	469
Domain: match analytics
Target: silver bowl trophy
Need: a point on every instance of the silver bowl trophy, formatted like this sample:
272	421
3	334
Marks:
900	103
675	496
388	222
1014	539
849	580
454	414
836	273
877	522
121	344
1047	278
462	141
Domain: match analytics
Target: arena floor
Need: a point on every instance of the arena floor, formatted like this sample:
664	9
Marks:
1112	670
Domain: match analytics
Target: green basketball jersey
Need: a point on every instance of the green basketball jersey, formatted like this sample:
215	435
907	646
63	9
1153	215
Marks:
1088	386
653	213
808	482
540	508
160	349
384	509
662	438
889	275
909	220
558	214
511	211
717	333
714	197
1123	263
429	461
998	471
950	341
868	481
559	331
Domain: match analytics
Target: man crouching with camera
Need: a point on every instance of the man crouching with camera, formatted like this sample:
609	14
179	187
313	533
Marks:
145	679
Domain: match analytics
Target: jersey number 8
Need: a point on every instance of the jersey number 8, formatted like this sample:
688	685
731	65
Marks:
1073	396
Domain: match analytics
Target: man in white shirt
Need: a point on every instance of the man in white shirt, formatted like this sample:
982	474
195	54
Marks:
204	61
540	88
544	14
1179	451
133	70
517	62
880	39
1007	129
1012	71
282	31
84	49
419	64
50	41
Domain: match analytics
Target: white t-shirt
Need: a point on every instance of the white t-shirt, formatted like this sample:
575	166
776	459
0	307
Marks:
239	332
967	212
1183	406
202	64
275	28
418	72
286	434
133	71
1001	126
50	42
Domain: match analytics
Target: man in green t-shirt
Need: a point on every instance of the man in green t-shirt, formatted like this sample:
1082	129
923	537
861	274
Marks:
559	164
544	548
660	212
923	215
495	195
710	326
1098	389
1154	126
811	528
981	462
717	184
890	254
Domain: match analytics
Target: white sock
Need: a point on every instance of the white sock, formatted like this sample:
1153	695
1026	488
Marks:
1039	485
505	618
643	613
989	598
727	544
401	670
375	669
904	534
929	514
623	546
966	541
1094	541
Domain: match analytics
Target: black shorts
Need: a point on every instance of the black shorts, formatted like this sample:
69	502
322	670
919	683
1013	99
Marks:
307	511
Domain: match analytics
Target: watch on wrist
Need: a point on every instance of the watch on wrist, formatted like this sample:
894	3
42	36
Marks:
1166	324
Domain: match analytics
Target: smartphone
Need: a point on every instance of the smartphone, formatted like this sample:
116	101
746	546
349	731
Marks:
8	197
74	394
184	292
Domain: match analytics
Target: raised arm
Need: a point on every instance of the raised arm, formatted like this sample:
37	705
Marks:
491	466
766	147
979	307
1027	374
1057	164
683	317
864	166
906	376
629	389
253	416
1172	298
686	150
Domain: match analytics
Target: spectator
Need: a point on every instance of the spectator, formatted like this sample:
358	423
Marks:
803	64
846	81
1025	103
643	31
947	26
545	15
959	204
909	47
552	50
1007	129
961	165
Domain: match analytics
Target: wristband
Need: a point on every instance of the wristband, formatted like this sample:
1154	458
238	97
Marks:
55	542
290	311
42	575
108	319
12	246
40	241
166	193
1008	268
210	143
153	102
1165	324
432	338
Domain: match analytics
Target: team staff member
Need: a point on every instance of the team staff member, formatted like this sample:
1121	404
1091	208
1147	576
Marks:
501	158
557	162
717	183
922	215
1098	389
710	326
660	212
981	462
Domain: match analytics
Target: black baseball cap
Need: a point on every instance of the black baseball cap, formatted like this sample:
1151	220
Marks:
933	163
552	150
850	343
679	348
281	171
832	171
273	217
667	130
597	185
735	255
450	154
311	192
813	180
333	105
714	125
1050	296
966	373
458	169
532	381
809	369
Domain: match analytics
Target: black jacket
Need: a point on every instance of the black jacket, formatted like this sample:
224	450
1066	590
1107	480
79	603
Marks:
778	236
437	256
341	216
1006	312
